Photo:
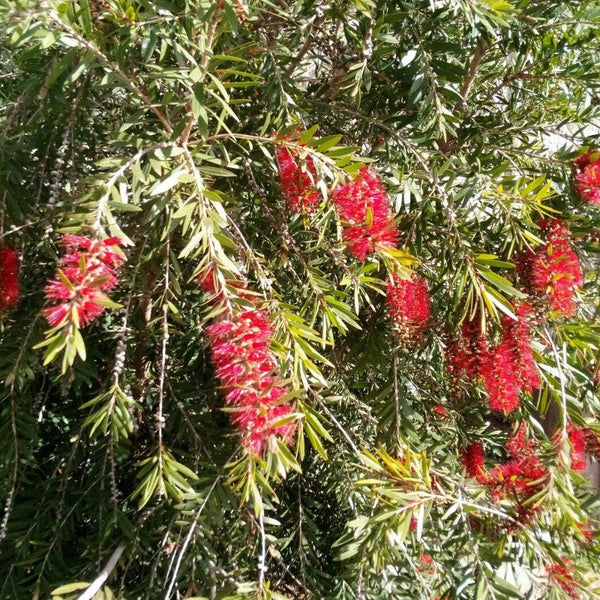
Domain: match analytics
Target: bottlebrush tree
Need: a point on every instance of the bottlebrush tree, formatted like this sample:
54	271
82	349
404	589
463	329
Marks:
299	299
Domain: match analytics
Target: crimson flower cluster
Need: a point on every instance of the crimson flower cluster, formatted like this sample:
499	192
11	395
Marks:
298	178
9	278
240	348
87	271
587	177
553	271
577	441
409	303
467	352
368	225
362	203
473	460
584	441
506	369
365	207
510	368
516	480
562	575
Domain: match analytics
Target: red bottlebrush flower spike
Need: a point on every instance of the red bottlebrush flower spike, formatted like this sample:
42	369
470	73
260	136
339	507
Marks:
584	441
365	207
587	180
241	354
500	381
517	333
9	278
206	281
517	481
507	369
562	575
577	441
581	162
87	271
298	178
473	459
468	353
409	303
519	446
553	271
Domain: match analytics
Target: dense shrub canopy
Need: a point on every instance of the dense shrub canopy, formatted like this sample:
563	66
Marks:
299	299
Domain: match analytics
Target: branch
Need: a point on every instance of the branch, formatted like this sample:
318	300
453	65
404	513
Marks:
314	23
187	540
103	575
480	49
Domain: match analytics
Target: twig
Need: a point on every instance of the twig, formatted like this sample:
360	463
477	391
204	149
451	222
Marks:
339	426
480	49
103	576
160	419
188	538
262	559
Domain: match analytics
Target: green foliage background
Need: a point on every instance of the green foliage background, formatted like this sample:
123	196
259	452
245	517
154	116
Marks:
155	122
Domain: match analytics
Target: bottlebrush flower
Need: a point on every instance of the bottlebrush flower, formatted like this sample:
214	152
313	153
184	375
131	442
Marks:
519	446
468	352
500	379
517	334
577	441
506	369
562	575
86	273
473	460
409	303
364	206
298	179
553	271
9	278
584	441
518	481
206	281
246	366
587	180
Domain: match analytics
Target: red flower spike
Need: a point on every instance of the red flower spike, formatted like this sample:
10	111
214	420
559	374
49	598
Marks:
592	442
365	207
517	481
86	272
553	271
409	303
499	379
298	178
587	180
9	278
468	353
241	354
585	159
519	447
507	369
584	441
577	440
473	459
517	333
562	575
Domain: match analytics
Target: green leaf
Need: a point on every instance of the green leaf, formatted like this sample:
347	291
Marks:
70	588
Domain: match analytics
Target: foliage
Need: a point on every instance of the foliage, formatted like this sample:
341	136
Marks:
166	127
